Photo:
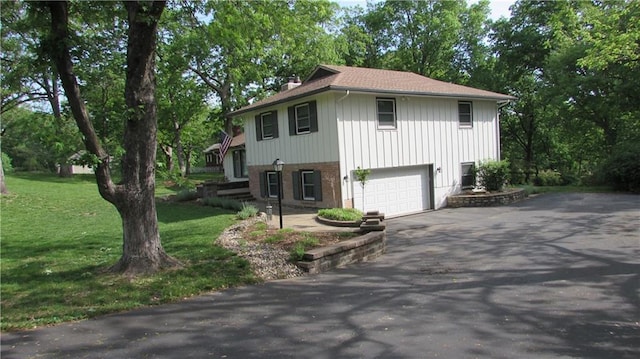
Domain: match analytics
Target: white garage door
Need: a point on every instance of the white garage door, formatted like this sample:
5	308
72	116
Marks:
394	191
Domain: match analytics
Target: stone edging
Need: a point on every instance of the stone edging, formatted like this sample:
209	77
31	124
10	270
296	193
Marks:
486	199
334	223
359	249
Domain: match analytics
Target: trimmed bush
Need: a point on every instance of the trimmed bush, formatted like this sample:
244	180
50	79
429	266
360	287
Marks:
341	214
492	175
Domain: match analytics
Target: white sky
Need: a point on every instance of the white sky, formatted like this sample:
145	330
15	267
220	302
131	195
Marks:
499	8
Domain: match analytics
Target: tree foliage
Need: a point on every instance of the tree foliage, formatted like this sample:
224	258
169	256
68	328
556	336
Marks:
252	46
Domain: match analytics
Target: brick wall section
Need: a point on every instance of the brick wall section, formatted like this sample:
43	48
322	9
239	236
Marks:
366	247
331	184
485	200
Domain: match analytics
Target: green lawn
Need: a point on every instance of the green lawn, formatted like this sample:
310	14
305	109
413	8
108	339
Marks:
58	237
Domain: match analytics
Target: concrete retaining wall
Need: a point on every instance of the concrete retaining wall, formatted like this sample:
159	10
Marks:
359	249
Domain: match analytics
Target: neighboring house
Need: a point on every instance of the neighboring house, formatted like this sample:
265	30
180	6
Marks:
211	159
74	165
419	137
234	165
235	160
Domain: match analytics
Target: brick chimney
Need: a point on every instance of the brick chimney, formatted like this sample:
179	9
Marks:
294	81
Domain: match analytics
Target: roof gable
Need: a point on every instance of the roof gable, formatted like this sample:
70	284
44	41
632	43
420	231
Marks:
332	77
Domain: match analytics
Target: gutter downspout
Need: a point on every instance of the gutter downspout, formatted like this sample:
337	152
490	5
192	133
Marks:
343	97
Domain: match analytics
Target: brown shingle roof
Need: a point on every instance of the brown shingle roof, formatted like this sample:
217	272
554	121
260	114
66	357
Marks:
238	140
330	77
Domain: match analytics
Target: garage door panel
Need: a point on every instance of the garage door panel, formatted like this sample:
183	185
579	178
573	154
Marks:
395	191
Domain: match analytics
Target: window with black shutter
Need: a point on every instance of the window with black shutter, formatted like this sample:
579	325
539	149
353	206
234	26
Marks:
303	118
267	125
307	185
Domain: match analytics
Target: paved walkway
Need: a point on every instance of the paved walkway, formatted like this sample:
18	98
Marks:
301	219
556	276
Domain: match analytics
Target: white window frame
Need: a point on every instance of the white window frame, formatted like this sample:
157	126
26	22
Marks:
269	116
392	113
302	131
272	180
306	176
463	174
465	123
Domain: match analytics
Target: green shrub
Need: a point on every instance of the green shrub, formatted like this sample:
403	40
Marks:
6	163
247	211
548	178
186	195
622	169
517	175
341	214
570	178
492	175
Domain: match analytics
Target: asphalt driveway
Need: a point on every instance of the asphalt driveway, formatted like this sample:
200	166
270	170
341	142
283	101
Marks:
556	276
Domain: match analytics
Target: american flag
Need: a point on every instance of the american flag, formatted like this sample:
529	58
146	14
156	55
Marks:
225	142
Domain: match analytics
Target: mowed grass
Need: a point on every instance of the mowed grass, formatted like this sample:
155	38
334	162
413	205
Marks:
59	237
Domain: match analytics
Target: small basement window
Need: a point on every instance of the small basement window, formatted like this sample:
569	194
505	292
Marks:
468	177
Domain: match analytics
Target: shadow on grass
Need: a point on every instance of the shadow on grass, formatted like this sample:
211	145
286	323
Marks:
170	212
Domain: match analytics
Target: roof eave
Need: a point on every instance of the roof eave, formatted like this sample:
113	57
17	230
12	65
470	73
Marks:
426	94
270	104
368	90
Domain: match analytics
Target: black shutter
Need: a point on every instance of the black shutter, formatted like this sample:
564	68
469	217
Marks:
313	116
292	121
274	118
297	192
263	185
258	128
317	185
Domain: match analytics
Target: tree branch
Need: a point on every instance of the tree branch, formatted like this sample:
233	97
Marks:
213	83
60	54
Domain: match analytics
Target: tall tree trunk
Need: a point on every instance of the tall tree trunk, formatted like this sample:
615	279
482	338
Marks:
134	198
177	135
187	157
3	186
167	150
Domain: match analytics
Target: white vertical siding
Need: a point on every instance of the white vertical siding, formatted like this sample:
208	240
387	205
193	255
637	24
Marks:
427	133
321	146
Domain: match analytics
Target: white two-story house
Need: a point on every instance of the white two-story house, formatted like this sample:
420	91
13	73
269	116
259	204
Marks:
419	137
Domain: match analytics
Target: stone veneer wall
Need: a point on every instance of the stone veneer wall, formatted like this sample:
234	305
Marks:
359	249
486	199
